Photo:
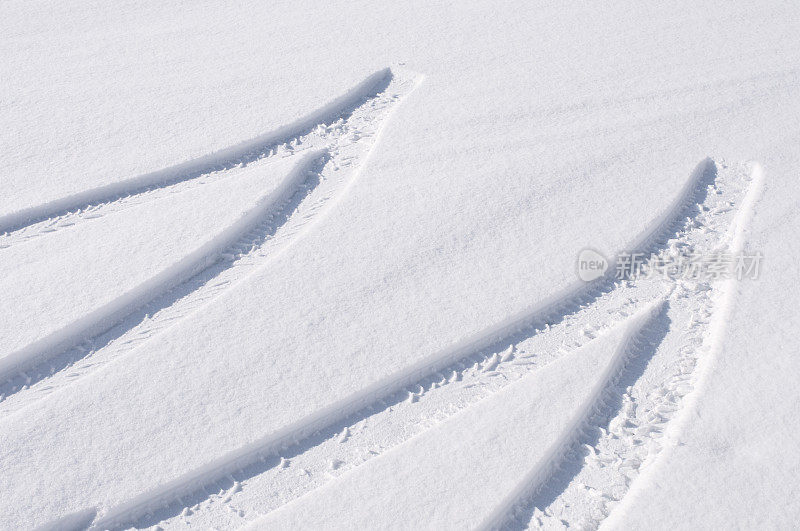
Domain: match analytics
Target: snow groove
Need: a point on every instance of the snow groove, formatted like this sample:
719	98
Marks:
595	476
698	222
87	202
500	339
333	153
103	318
644	336
696	369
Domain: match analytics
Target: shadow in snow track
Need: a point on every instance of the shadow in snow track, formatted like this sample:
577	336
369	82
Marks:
71	522
35	364
169	499
637	353
373	98
244	153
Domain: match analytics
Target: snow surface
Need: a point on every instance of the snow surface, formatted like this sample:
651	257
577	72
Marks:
466	467
271	263
144	259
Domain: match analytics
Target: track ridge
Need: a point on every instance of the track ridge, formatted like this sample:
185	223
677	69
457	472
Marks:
411	381
103	318
224	159
439	393
690	385
643	337
331	157
641	415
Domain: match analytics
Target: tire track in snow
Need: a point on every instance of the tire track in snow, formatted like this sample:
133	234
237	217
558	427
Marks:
334	153
103	318
526	421
629	364
493	346
306	464
717	324
627	435
66	211
362	434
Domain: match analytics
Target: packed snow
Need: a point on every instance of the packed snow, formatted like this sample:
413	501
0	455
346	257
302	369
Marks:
362	265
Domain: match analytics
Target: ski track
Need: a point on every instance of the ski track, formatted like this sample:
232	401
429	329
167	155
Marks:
448	381
335	140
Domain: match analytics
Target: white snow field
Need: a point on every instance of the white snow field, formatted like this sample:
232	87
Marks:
306	265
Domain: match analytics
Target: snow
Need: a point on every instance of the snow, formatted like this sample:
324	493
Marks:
259	259
733	457
457	473
141	258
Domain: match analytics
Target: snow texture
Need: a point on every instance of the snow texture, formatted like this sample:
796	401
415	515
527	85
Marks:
291	265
